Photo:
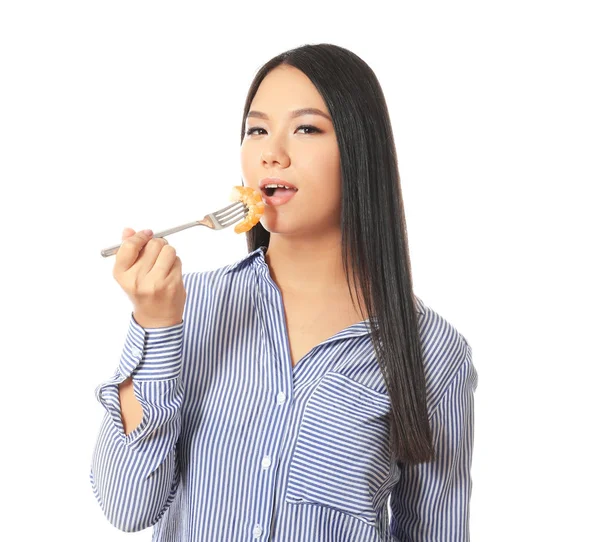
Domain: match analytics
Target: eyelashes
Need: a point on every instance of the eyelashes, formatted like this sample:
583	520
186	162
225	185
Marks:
313	129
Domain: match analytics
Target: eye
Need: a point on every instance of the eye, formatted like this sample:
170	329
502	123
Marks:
250	131
312	129
309	127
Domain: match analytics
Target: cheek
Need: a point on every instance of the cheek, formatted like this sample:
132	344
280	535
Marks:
326	188
325	164
244	160
330	173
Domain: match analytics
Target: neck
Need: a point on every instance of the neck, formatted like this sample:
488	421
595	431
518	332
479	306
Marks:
307	267
310	268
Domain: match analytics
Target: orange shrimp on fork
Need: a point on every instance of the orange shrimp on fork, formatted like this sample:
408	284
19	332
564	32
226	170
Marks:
253	200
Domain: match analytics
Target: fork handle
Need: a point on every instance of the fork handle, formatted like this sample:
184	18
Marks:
114	249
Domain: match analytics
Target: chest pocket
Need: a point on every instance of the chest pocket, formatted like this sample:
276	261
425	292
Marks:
342	457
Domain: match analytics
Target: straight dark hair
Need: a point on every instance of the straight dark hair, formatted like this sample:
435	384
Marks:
373	229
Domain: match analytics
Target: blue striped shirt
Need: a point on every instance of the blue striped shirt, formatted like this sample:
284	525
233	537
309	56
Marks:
236	444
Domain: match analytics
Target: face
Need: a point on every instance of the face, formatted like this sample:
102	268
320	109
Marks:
302	150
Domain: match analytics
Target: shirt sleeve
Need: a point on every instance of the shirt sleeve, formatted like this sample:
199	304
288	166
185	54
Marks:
430	502
134	477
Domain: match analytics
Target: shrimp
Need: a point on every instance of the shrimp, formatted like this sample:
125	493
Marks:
253	200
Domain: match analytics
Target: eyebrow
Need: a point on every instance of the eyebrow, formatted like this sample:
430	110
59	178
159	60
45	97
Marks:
293	114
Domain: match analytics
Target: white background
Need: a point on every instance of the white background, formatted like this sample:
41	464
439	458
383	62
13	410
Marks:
117	114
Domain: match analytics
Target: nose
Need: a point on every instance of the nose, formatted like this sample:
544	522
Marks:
274	153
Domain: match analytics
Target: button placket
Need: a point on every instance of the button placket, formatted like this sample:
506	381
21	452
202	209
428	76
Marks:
266	462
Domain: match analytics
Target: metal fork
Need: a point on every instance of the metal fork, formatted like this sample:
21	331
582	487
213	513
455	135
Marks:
218	220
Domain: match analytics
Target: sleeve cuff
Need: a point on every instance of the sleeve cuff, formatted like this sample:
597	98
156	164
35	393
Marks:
153	358
152	353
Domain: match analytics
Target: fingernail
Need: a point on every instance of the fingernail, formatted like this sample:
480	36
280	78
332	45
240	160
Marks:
149	233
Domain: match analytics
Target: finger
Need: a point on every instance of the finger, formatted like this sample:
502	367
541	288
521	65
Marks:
127	232
148	255
129	251
175	273
163	263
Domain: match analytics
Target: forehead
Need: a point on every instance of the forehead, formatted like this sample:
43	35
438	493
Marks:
285	89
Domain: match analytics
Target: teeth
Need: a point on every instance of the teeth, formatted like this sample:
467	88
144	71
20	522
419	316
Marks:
276	186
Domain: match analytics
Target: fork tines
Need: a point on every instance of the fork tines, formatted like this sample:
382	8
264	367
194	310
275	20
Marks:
230	214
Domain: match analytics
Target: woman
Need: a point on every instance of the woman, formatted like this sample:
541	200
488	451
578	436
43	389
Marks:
305	386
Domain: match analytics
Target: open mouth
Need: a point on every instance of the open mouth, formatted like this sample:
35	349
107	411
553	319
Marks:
277	191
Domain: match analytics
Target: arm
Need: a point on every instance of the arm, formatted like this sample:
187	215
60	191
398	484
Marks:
135	475
430	502
131	409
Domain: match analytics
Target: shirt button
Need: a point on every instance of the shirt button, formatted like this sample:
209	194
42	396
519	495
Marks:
281	397
135	351
257	531
266	462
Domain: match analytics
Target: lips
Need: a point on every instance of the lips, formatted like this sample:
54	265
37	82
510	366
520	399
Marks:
275	180
279	199
280	195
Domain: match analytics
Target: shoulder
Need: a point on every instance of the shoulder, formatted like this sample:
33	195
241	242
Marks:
205	278
237	273
446	353
217	286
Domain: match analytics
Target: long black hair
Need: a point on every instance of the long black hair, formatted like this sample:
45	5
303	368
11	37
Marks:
373	229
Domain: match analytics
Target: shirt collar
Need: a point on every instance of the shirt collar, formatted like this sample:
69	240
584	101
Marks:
259	252
258	255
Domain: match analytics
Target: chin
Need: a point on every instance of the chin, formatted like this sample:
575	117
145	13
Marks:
278	224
